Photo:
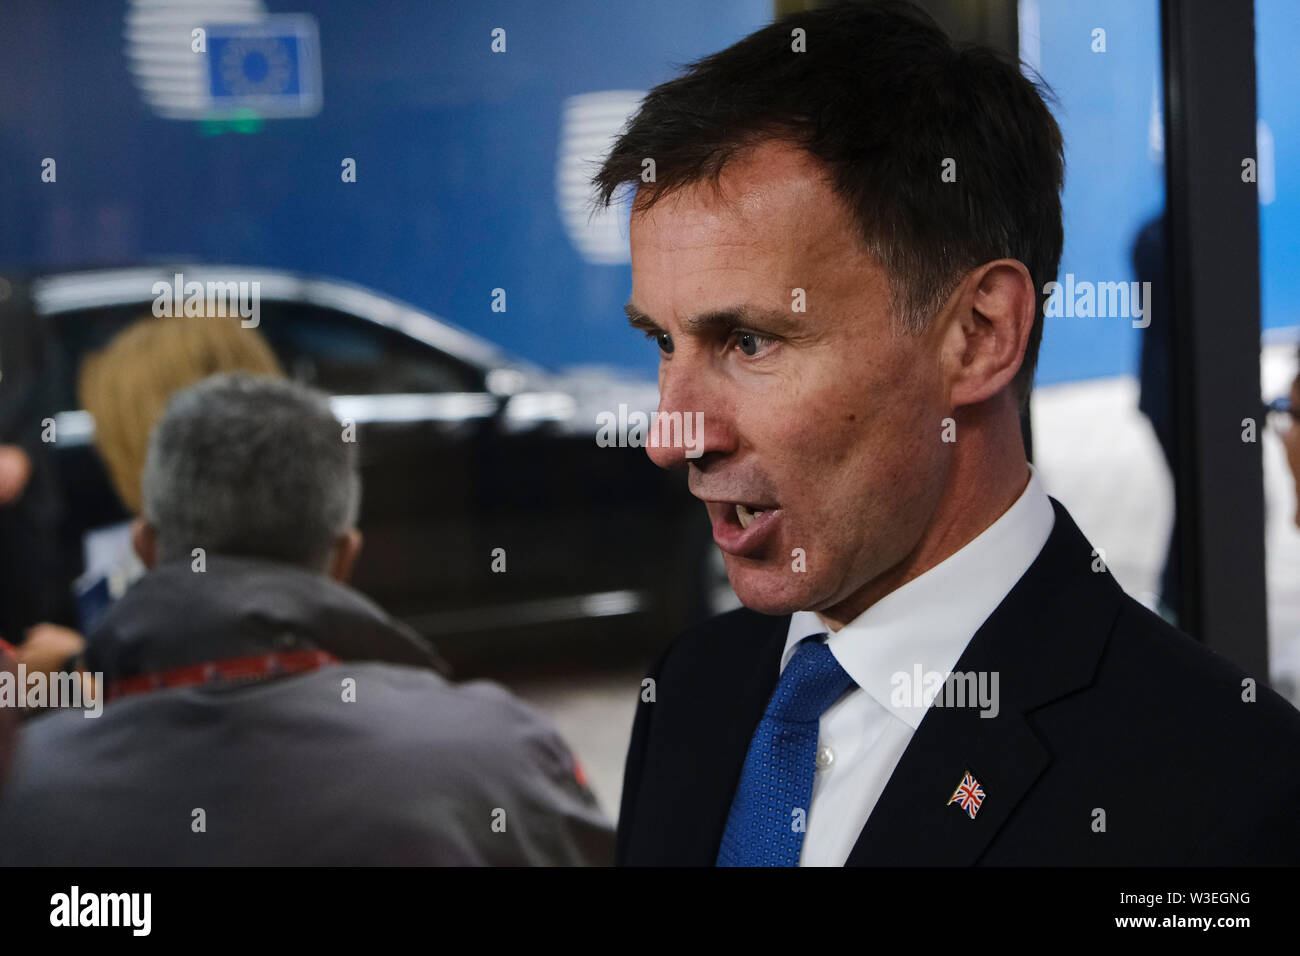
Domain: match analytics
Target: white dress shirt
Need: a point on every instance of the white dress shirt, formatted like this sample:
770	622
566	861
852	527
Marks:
921	628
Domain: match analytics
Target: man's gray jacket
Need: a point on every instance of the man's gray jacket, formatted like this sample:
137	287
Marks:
290	770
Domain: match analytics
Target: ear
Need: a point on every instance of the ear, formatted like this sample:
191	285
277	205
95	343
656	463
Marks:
347	548
986	342
144	540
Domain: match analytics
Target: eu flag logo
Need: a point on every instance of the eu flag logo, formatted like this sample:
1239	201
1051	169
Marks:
270	66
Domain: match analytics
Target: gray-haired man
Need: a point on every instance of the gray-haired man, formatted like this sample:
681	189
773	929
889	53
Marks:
261	712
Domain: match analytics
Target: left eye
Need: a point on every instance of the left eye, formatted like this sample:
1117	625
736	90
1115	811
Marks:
663	340
750	343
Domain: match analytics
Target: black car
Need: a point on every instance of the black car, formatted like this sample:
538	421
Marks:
464	451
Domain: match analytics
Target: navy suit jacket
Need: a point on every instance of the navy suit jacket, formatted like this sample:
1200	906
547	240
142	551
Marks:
1103	707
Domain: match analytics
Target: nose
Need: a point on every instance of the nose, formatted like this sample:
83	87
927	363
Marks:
694	421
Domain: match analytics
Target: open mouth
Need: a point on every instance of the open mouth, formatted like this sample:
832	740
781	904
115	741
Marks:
741	527
746	515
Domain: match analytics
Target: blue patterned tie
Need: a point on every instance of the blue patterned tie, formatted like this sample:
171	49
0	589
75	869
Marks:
764	828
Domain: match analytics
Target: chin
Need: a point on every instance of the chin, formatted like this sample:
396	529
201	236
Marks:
774	591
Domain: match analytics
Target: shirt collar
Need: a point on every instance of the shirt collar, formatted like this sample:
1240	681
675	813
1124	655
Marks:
921	628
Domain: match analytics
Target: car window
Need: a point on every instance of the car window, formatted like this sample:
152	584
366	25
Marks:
334	351
344	355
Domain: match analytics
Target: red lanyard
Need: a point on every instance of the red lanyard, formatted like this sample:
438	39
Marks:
232	668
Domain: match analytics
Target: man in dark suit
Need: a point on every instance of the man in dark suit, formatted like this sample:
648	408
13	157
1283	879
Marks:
841	229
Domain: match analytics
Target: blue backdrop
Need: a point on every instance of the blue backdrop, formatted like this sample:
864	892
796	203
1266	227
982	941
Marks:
456	150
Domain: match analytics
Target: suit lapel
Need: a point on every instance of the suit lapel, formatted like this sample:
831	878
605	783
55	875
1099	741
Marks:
913	824
720	725
1044	641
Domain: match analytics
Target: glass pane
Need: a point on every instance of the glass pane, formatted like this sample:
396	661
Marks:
1099	407
1277	33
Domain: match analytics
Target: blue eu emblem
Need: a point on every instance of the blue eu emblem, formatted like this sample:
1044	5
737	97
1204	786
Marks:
271	66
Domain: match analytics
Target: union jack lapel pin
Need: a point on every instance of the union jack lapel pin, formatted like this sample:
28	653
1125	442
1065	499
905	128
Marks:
968	795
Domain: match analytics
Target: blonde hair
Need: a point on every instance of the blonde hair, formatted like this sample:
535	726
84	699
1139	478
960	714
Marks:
126	385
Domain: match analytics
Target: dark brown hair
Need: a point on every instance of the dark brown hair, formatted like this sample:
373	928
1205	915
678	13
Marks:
882	97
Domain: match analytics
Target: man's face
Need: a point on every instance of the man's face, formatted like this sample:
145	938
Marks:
828	419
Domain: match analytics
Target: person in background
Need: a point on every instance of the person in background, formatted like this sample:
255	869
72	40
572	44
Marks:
125	386
1285	411
258	710
1282	413
15	469
1155	399
32	580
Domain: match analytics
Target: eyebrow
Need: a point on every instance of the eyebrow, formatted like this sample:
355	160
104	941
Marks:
773	321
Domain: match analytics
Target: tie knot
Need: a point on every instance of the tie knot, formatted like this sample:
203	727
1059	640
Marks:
810	683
